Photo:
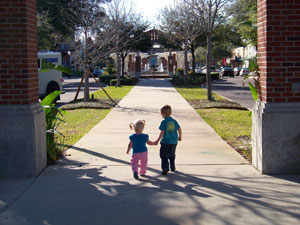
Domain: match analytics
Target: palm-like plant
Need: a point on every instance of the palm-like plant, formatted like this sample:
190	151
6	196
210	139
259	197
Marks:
52	123
253	78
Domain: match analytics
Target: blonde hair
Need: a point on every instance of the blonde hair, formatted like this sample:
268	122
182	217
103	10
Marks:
137	125
166	110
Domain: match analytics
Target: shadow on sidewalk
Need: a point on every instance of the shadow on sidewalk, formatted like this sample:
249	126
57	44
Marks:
149	195
73	192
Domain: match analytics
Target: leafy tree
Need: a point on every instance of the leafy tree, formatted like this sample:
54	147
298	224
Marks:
135	39
211	14
224	40
181	22
245	21
56	22
46	37
89	14
125	29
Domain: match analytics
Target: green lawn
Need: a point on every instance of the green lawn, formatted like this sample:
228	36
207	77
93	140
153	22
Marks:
233	125
114	92
196	93
80	121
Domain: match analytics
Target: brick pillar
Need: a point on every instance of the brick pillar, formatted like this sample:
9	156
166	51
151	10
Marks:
170	65
22	133
138	65
276	116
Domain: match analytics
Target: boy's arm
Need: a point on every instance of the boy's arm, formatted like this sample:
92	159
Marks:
179	134
162	133
129	147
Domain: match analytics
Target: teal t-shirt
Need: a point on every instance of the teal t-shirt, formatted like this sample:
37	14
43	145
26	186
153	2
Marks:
170	126
139	142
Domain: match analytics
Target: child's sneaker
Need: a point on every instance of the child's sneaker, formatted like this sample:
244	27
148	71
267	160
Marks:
135	175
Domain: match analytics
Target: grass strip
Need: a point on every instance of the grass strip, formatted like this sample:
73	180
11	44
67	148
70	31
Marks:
234	126
230	120
79	121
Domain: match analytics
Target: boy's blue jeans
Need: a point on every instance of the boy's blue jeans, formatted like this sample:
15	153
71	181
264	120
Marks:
167	155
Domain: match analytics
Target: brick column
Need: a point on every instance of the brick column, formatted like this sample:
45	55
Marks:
138	66
276	116
170	65
22	134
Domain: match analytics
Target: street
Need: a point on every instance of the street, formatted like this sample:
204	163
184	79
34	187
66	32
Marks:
233	89
70	87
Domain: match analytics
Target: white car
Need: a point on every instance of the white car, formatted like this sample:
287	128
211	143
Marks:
244	71
50	80
198	70
212	69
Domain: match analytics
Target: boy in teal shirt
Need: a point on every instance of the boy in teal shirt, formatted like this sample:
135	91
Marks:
170	133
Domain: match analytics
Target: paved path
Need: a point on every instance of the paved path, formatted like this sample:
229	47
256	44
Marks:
70	87
94	185
233	89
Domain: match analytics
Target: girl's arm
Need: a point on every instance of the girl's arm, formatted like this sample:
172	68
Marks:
129	147
151	142
179	134
162	133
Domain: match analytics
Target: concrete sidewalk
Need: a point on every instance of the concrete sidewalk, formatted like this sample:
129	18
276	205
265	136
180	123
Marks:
94	185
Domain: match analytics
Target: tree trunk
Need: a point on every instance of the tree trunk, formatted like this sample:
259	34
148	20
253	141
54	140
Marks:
193	58
86	75
123	65
186	69
208	65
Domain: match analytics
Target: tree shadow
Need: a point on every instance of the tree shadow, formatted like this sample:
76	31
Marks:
73	192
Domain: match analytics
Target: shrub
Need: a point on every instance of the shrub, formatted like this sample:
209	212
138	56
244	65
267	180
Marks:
107	79
179	72
113	82
110	70
214	76
129	81
193	79
125	81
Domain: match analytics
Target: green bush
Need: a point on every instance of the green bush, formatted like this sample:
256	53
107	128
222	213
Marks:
110	70
214	76
179	72
193	79
125	81
106	79
113	82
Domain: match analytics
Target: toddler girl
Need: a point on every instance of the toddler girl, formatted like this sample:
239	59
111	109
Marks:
138	144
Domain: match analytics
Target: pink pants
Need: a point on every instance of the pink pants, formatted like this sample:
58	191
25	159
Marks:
141	158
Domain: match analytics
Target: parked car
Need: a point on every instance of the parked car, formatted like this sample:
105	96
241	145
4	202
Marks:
98	72
227	71
198	69
237	71
244	71
212	69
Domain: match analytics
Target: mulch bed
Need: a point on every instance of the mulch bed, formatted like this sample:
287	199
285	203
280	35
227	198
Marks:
222	104
91	104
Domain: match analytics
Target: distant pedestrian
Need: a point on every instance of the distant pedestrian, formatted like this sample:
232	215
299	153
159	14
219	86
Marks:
138	142
170	134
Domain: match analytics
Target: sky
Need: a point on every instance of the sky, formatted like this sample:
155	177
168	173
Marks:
150	8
